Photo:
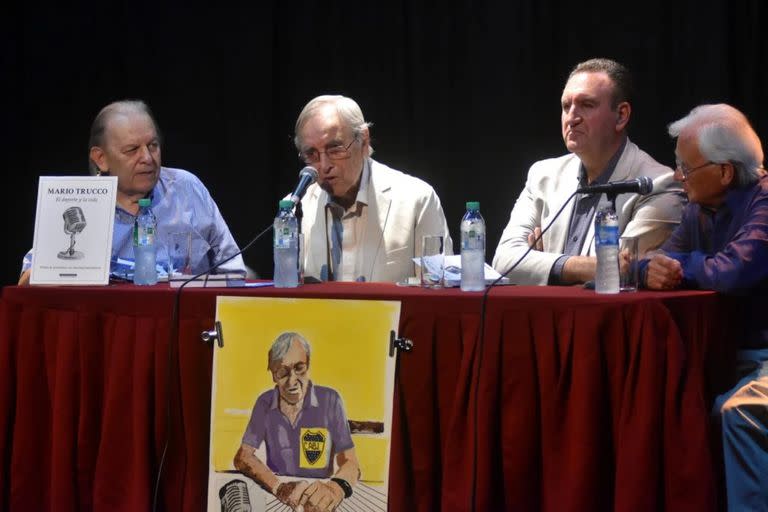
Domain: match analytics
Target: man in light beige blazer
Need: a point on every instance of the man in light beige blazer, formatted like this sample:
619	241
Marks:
595	113
363	221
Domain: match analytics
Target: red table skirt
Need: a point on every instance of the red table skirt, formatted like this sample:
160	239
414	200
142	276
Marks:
573	401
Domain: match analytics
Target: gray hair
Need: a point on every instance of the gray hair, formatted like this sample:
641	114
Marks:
724	135
99	126
623	89
347	108
282	344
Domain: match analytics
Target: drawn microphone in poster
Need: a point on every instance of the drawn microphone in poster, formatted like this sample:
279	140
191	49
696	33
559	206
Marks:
306	433
74	223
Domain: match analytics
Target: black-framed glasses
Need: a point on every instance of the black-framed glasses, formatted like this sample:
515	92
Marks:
284	371
338	152
685	171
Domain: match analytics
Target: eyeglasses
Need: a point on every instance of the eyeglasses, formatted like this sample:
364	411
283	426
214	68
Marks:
685	171
340	152
284	371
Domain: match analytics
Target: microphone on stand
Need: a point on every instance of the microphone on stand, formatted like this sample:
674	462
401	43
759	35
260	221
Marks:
307	176
234	495
642	185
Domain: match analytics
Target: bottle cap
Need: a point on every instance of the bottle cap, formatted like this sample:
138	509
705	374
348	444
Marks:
473	205
286	203
145	201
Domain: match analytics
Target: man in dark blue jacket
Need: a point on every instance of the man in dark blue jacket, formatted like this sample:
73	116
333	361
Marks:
721	244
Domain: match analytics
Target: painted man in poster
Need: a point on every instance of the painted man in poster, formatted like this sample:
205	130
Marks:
305	430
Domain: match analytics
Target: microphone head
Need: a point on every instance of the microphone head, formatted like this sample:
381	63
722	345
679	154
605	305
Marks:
310	172
74	220
645	185
307	176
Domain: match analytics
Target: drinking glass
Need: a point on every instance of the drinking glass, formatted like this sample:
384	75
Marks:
432	268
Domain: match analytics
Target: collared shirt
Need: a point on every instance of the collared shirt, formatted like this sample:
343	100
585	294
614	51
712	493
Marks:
583	214
726	250
181	203
347	231
305	449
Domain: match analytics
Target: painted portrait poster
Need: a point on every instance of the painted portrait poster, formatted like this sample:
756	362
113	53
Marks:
301	407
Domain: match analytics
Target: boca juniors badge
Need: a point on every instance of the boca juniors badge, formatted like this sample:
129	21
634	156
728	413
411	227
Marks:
314	447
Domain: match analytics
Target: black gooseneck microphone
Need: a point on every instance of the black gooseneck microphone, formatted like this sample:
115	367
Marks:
173	335
642	185
481	337
307	176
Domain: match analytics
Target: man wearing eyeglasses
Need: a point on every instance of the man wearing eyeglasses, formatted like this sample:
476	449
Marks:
305	430
594	117
722	244
363	221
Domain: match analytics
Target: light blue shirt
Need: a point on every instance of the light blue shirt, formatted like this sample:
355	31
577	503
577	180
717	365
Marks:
181	203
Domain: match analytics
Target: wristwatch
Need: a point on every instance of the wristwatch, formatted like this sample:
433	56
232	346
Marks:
344	486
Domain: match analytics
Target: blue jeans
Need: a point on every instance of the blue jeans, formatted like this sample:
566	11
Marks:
744	416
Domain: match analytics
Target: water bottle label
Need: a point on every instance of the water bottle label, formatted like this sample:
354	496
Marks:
283	238
473	240
144	235
607	235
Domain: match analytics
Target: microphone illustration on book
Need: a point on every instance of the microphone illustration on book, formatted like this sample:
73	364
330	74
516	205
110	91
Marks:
74	223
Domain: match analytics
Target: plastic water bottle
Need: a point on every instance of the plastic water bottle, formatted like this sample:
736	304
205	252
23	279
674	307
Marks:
473	249
607	246
144	249
286	247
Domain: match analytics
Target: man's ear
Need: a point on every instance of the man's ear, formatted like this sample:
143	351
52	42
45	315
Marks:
623	111
98	157
727	174
365	139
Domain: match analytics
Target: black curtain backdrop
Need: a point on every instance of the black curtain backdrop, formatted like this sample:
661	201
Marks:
464	94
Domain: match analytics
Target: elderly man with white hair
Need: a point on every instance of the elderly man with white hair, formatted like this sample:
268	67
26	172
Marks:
363	221
722	244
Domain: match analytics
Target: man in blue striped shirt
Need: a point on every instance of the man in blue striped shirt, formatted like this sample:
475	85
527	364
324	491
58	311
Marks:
125	142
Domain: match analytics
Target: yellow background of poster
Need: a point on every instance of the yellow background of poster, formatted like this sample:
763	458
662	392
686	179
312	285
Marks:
349	342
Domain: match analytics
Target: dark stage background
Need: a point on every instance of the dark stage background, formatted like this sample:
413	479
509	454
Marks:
464	94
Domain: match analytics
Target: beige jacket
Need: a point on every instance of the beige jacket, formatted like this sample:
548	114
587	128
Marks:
402	210
549	185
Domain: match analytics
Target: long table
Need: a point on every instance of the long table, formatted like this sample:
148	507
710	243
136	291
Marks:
569	401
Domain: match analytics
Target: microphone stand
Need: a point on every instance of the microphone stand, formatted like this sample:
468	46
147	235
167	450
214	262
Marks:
299	215
612	198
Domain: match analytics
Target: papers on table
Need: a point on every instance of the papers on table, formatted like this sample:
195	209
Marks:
452	269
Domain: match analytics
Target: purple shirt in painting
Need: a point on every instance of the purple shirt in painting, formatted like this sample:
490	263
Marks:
726	250
306	449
